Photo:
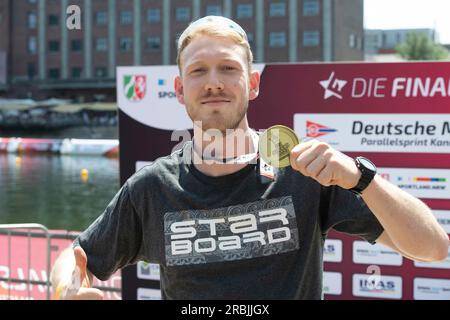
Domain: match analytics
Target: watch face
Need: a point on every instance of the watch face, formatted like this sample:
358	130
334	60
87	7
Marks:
367	163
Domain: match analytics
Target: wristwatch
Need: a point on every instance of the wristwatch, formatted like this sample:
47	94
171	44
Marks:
368	171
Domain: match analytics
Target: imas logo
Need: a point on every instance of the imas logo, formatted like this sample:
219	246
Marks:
377	286
315	130
134	87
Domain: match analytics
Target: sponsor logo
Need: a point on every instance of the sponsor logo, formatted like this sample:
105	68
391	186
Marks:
443	217
134	87
400	87
389	287
148	294
332	283
332	250
382	87
149	271
418	133
165	94
365	253
315	130
421	183
202	236
431	289
333	87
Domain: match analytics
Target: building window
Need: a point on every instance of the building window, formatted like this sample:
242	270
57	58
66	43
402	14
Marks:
100	72
125	44
352	41
311	8
153	43
101	18
53	20
53	46
213	10
277	9
311	38
244	11
32	45
32	20
154	15
53	73
31	70
277	39
76	72
126	17
76	45
183	14
101	44
384	40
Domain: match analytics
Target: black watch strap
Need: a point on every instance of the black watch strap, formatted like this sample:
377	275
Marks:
368	171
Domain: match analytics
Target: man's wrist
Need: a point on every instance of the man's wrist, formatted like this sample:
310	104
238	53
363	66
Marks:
367	173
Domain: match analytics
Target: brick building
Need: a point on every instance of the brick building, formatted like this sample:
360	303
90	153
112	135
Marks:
41	58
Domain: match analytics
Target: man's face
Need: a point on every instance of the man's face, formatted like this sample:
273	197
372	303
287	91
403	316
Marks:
215	84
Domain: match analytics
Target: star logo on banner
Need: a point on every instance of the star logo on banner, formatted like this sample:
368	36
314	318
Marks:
333	87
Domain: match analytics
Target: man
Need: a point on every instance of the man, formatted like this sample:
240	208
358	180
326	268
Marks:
214	225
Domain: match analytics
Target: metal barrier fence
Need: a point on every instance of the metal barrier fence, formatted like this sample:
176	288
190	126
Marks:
33	231
8	229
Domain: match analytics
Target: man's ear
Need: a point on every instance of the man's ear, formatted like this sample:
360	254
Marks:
254	84
179	89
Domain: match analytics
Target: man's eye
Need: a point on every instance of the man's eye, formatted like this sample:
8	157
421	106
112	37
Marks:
228	68
198	70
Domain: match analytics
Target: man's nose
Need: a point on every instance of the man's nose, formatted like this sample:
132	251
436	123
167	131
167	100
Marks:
214	83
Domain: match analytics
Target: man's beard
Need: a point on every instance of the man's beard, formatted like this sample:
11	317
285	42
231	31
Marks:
222	124
216	120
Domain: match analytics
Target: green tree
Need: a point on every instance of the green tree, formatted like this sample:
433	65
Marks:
418	46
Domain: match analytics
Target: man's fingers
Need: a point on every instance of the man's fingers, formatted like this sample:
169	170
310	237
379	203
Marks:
325	177
301	147
306	154
88	294
316	166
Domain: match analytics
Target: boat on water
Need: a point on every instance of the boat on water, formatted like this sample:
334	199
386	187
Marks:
95	147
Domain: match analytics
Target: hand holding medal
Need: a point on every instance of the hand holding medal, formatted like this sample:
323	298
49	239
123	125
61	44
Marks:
280	147
275	145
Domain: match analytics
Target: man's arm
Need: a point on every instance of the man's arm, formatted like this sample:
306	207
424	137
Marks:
70	278
408	222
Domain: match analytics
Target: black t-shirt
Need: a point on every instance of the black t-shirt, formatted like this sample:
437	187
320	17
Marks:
227	237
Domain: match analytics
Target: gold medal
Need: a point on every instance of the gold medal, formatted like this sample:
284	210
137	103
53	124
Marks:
275	145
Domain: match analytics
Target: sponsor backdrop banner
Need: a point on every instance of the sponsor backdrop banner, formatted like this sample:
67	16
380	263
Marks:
396	114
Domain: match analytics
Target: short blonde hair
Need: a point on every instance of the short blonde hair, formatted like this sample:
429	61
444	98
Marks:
215	26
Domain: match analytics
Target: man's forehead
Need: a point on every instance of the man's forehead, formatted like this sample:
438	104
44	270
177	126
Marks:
204	48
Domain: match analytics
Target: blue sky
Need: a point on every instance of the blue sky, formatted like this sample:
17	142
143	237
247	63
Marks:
402	14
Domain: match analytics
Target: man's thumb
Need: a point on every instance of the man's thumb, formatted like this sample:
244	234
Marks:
80	260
